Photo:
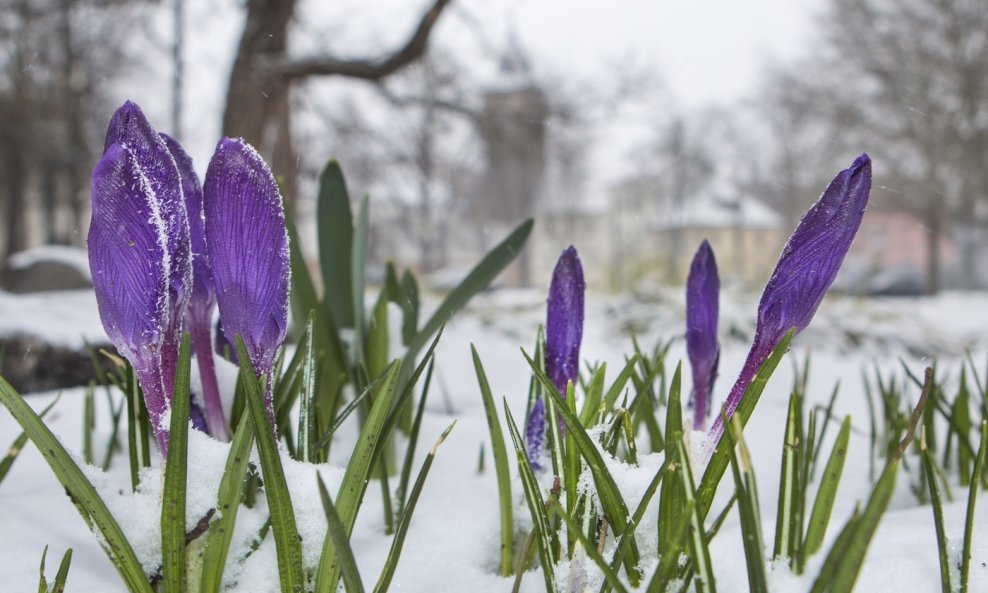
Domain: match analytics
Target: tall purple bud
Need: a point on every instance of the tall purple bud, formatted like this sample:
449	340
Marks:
202	300
702	292
563	334
247	246
129	127
128	257
806	269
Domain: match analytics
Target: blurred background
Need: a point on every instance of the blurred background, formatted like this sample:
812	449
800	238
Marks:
632	129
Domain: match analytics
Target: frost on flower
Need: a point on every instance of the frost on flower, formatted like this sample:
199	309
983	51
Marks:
806	269
130	127
128	256
702	294
247	246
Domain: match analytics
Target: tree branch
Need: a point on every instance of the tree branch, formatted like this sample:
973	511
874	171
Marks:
368	69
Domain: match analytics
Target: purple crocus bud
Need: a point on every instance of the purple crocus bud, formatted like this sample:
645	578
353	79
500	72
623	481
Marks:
564	320
702	292
129	127
563	334
806	269
128	257
199	314
247	245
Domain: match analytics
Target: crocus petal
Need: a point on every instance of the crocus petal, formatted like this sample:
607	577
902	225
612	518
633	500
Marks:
128	257
702	293
806	269
199	314
247	245
535	434
202	279
564	320
130	127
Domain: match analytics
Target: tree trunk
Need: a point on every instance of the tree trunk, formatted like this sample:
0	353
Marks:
257	98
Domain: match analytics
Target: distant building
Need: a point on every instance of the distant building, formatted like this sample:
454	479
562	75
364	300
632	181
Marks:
652	240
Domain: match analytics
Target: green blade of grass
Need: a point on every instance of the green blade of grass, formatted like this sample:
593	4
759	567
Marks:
614	391
63	572
699	552
595	395
666	571
220	532
719	460
308	451
335	228
341	542
173	491
479	278
607	491
287	544
823	504
409	294
671	498
387	572
571	526
42	580
536	505
500	465
80	490
937	506
357	474
972	500
358	258
18	445
413	438
785	525
747	493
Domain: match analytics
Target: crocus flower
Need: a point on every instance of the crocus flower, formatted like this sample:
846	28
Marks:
702	291
564	332
202	300
806	269
247	246
129	127
128	257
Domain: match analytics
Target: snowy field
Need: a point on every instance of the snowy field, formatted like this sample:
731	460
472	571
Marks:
453	541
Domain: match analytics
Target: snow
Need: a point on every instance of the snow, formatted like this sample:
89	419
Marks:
73	257
453	541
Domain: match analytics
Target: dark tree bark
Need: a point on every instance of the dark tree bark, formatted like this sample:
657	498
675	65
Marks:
257	105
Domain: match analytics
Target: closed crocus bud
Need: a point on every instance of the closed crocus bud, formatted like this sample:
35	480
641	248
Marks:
806	269
563	335
247	246
129	127
564	321
202	300
702	293
128	257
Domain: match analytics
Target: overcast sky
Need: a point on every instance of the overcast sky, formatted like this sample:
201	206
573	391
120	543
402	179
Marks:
700	52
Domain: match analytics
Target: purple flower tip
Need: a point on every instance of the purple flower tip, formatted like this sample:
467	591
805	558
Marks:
535	434
564	320
702	292
806	269
813	255
247	246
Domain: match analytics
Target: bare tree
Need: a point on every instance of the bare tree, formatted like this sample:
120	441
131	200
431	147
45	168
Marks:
909	77
257	104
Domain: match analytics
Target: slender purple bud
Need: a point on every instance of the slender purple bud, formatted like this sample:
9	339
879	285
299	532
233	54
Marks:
563	334
129	127
247	246
564	321
199	314
702	292
129	260
806	269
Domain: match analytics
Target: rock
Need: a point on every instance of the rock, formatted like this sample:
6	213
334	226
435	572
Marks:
50	267
31	365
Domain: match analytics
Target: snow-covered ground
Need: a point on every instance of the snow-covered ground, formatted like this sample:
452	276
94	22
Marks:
453	541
